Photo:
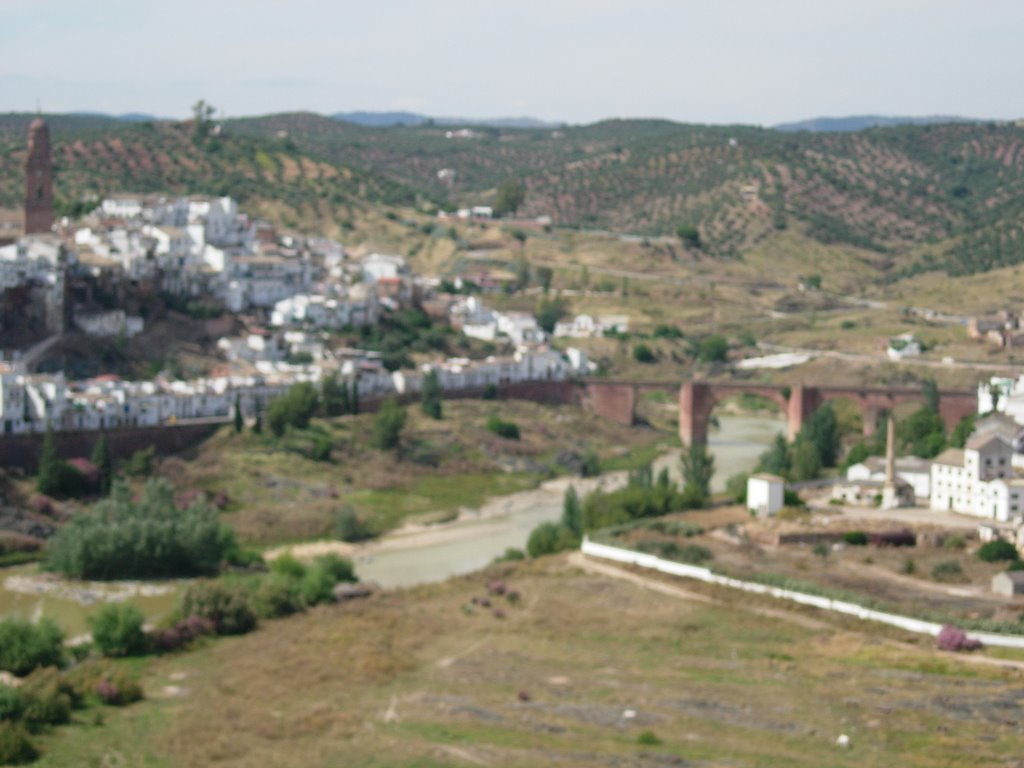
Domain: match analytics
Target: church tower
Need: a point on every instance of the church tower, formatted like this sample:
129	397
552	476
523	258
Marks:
38	179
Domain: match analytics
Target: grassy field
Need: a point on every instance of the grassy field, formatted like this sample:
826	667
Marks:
573	675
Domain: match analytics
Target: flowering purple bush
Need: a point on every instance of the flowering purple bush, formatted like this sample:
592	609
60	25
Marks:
951	638
108	692
496	587
182	633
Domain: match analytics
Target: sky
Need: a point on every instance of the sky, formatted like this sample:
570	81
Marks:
576	61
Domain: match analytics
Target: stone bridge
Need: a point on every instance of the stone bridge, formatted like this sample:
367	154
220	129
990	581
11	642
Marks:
616	400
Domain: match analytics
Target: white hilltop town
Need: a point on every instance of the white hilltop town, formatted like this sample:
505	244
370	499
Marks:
204	247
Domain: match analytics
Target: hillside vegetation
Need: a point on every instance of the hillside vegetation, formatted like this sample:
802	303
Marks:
918	197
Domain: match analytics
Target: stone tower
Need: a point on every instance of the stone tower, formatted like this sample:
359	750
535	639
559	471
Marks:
38	179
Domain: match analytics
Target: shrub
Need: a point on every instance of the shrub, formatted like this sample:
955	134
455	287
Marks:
388	424
117	630
317	585
506	429
16	748
122	537
490	392
954	541
293	409
996	551
693	554
643	354
855	538
48	698
287	565
820	549
181	633
350	527
25	646
509	555
953	639
909	566
226	606
12	703
648	739
948	570
340	568
548	538
278	595
108	682
736	487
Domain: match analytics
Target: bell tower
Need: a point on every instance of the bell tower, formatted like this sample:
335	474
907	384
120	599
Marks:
38	179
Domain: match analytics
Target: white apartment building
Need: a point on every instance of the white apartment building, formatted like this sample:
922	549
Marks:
978	480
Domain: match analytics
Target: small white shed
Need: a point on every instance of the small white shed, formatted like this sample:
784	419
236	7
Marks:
1008	583
765	494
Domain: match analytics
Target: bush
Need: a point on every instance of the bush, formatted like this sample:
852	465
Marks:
287	565
109	683
12	703
117	630
490	392
506	429
643	354
388	424
293	409
693	554
996	551
736	487
317	585
909	567
350	527
278	595
48	698
123	538
226	606
954	542
952	639
855	538
648	739
548	538
340	568
948	571
24	646
16	748
181	633
510	555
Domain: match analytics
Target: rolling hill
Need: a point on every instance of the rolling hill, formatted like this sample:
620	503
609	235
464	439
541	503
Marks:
918	197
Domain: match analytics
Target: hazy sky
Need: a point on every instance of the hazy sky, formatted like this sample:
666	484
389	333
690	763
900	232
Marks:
750	61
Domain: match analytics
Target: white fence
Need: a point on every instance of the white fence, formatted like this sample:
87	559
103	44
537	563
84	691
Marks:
918	626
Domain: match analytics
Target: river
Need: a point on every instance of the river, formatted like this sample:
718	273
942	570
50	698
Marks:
412	555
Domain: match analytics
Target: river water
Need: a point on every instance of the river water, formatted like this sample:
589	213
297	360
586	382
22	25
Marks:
411	555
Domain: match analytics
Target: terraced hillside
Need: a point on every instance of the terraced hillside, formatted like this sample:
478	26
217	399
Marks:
954	187
94	156
920	198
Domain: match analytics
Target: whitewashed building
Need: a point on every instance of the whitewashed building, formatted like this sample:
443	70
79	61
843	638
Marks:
766	494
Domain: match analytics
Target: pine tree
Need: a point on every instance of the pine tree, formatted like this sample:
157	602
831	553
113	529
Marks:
104	462
572	513
431	394
239	422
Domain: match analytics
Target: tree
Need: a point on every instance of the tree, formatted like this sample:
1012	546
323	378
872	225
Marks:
202	119
776	459
548	538
239	421
822	431
713	349
117	630
572	513
510	196
922	433
930	391
698	465
431	395
643	354
995	392
333	396
689	235
293	409
56	477
544	275
804	464
549	312
962	431
522	273
388	424
104	462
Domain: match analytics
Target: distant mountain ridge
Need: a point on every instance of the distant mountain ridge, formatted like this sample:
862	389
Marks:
391	119
854	123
